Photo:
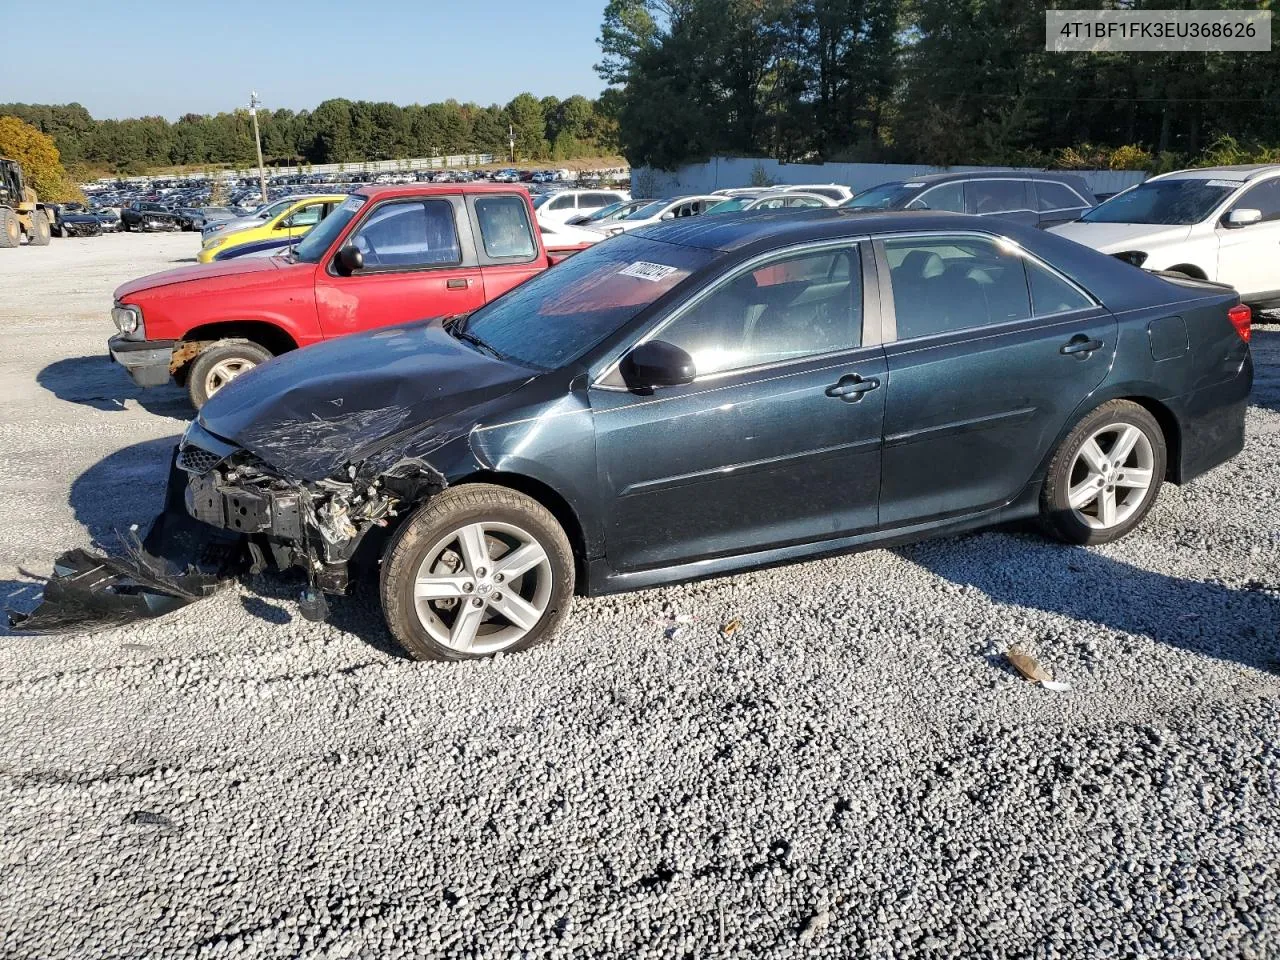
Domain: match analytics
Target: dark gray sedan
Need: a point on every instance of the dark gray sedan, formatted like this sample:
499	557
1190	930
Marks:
703	397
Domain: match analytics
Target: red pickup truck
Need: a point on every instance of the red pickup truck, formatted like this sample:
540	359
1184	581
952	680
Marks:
384	256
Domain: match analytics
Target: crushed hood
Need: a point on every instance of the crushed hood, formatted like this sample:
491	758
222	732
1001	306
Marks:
1119	237
310	412
238	269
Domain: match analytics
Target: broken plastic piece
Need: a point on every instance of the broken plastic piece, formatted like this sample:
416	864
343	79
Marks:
1058	686
730	628
92	592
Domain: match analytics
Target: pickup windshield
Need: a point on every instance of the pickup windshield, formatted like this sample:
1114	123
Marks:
321	237
562	313
1167	202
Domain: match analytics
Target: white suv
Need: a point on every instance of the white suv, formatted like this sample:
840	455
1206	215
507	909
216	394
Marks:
1220	223
556	208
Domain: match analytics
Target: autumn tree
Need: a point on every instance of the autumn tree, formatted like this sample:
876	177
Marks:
36	154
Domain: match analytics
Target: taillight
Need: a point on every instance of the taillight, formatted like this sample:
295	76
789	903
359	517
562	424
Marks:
1241	318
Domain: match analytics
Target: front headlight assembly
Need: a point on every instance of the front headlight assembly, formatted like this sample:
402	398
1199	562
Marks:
128	320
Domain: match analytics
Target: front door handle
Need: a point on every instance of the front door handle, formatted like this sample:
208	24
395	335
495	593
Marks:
851	387
1080	345
460	283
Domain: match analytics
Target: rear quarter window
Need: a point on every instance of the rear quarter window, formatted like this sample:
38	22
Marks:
505	231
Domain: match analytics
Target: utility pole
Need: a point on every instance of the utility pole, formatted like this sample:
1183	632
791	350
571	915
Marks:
511	137
254	103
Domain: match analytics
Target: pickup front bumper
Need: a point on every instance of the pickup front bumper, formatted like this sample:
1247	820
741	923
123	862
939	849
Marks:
146	361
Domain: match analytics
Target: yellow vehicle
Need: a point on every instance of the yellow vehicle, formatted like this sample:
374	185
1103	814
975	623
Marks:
285	228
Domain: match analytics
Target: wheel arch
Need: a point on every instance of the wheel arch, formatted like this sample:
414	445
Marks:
1168	422
265	334
550	498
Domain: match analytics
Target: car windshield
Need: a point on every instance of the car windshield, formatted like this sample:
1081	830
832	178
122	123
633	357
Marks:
321	236
540	199
648	210
562	313
729	206
1170	202
887	196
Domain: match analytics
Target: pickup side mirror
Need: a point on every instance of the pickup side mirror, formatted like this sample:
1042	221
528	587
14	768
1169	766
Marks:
349	260
1243	216
657	363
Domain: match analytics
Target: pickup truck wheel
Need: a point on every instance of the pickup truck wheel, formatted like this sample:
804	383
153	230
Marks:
478	570
10	231
39	235
218	365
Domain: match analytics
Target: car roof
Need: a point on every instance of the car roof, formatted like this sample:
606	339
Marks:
728	234
935	178
1241	172
382	191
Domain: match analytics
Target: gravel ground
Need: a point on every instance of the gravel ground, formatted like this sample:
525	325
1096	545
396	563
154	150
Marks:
857	772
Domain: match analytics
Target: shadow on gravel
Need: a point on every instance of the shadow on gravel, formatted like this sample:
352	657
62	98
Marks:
1265	343
1211	619
184	260
124	488
99	383
265	610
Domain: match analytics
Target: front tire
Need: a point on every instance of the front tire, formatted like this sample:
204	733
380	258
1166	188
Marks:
219	364
10	229
1105	475
478	570
39	235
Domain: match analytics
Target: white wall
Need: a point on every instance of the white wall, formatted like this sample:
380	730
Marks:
722	172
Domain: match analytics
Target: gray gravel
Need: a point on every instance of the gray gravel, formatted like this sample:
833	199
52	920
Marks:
857	772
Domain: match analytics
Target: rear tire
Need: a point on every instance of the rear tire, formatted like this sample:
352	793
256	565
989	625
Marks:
10	229
505	555
1105	475
219	364
39	235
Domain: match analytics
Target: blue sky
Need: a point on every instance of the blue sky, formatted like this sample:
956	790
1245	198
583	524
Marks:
169	57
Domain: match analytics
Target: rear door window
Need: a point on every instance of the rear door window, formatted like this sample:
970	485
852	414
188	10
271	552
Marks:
504	228
566	202
945	284
985	197
1056	196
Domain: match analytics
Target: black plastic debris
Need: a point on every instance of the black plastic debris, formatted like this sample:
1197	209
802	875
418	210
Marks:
89	591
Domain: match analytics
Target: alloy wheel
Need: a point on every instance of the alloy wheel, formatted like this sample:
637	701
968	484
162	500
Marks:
482	587
223	372
1111	475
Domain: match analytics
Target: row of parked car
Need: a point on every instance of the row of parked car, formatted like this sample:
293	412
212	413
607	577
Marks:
705	394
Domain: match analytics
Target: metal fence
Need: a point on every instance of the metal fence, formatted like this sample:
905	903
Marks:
721	172
374	166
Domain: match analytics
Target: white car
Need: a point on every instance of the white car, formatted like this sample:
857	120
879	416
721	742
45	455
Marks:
836	192
658	211
779	200
558	235
553	208
1219	223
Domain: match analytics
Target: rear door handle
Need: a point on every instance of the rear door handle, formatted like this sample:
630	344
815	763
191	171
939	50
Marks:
1080	345
460	283
851	387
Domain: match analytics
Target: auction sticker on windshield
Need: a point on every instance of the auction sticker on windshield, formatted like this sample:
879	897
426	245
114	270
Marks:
641	270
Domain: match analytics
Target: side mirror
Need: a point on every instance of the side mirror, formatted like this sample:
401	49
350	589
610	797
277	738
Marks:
657	363
1243	216
669	215
349	260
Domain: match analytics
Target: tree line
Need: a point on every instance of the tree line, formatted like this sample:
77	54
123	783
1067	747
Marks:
920	81
336	131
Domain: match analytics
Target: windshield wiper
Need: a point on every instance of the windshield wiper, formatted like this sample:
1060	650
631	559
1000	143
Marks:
475	341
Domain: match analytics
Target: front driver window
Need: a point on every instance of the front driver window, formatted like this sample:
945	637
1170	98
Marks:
304	219
801	305
411	233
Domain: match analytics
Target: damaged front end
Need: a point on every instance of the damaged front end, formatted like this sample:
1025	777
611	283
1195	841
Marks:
314	525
